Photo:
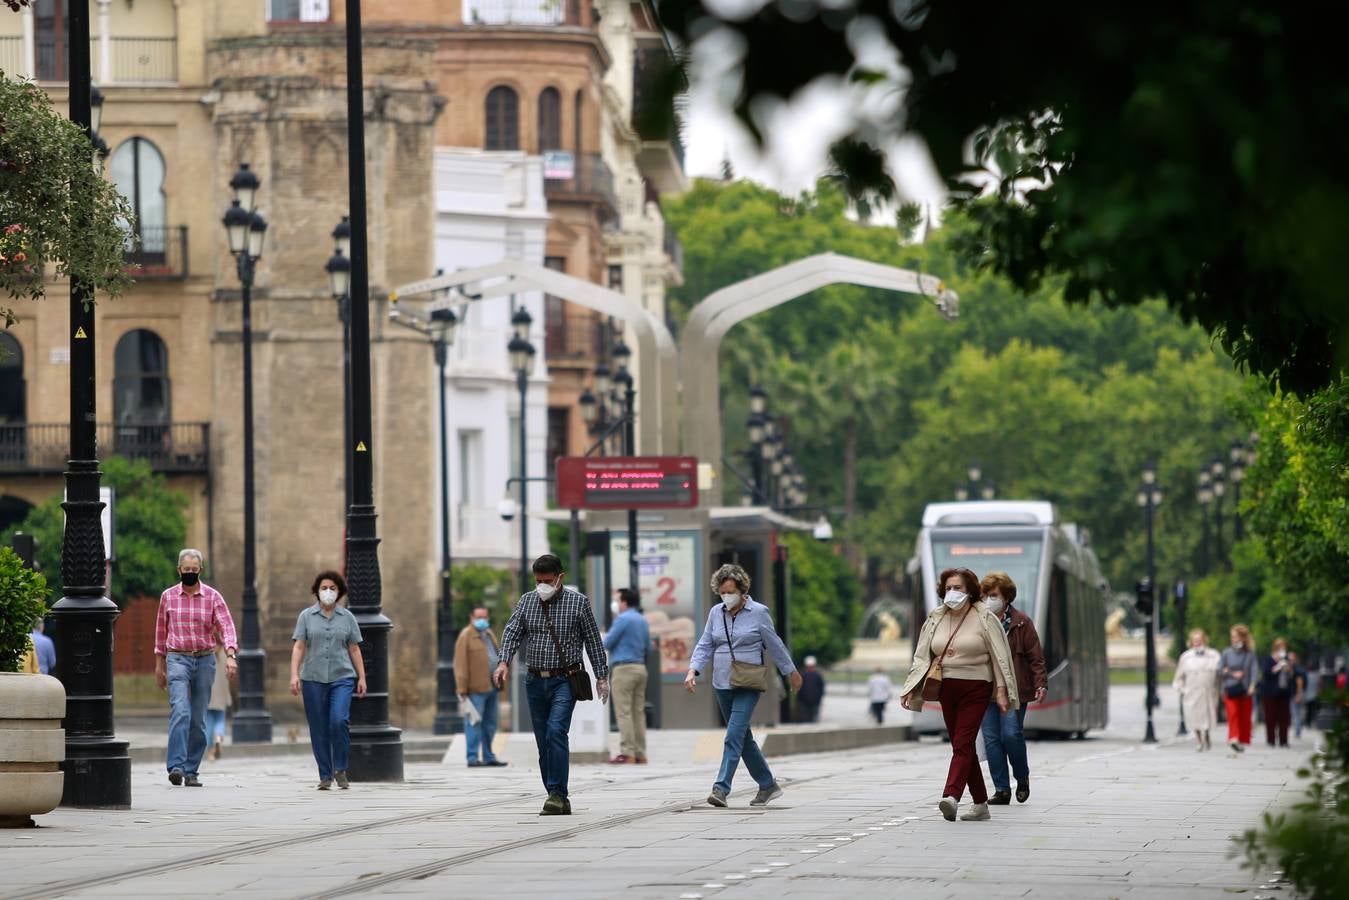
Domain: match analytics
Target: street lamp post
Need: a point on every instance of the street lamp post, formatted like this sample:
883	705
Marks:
245	230
1238	459
522	361
1205	497
376	746
339	277
1216	469
1149	496
439	327
621	355
97	766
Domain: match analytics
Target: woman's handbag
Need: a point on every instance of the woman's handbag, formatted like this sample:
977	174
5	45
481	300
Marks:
744	675
579	680
1236	690
932	680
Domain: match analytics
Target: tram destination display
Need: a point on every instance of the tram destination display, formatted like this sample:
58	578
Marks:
627	482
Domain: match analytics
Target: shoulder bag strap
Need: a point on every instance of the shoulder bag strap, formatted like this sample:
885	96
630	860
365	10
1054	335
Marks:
954	633
729	645
547	620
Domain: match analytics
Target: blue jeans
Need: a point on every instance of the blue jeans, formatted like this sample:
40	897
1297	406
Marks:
486	703
190	680
737	705
215	725
550	708
1005	739
328	709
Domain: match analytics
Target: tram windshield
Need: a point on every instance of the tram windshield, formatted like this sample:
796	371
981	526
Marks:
1018	557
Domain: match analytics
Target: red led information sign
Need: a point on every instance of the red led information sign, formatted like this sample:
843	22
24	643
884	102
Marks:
627	482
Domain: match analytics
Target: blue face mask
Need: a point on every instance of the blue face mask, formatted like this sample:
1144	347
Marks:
480	624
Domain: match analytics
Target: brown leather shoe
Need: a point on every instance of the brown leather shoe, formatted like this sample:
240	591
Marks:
620	760
641	760
1000	798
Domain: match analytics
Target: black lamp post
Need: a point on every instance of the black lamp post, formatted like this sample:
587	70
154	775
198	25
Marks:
439	328
1149	496
1238	459
973	487
621	356
97	766
1217	470
245	230
339	280
522	361
376	746
1205	497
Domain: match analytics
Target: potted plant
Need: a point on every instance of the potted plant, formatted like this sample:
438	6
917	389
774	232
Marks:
32	742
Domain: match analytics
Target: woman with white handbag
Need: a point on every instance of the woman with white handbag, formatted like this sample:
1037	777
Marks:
971	666
738	634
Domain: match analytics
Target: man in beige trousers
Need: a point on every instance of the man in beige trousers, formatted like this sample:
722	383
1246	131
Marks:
627	642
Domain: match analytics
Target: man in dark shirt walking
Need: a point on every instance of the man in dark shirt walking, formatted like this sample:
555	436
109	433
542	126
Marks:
547	687
812	691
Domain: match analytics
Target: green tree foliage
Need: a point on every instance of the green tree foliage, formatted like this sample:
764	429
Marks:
476	584
54	207
150	524
22	602
1058	403
1194	153
825	601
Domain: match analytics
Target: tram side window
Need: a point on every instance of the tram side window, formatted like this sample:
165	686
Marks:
1056	625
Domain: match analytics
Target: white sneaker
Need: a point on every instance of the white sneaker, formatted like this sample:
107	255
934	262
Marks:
978	813
948	807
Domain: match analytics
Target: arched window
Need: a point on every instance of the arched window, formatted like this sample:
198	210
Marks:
550	120
13	391
580	108
503	119
141	380
137	169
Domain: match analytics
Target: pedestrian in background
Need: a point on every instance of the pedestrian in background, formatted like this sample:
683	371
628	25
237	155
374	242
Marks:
1278	684
1238	673
974	666
476	654
811	694
879	690
627	643
217	705
1196	681
1004	732
552	623
44	647
192	619
1299	693
327	668
737	640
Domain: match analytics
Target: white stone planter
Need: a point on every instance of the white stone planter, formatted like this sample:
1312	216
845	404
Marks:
32	746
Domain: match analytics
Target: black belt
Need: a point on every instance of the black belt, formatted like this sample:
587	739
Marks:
194	652
554	673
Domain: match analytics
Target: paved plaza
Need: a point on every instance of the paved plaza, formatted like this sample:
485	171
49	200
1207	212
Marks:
1108	817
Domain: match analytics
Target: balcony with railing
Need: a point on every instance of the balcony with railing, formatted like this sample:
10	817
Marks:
523	12
591	180
674	249
161	254
114	60
572	332
43	448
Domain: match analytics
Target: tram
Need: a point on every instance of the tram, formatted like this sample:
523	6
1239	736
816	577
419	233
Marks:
1059	585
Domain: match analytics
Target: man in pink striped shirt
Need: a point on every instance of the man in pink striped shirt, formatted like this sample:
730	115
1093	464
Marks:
193	618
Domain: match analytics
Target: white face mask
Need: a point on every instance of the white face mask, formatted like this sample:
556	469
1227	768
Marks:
1283	654
731	601
545	591
1240	645
995	606
328	596
613	607
954	599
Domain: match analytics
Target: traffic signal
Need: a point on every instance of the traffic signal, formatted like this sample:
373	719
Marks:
1144	601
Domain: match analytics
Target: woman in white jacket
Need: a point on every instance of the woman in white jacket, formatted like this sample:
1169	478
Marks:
976	668
1197	682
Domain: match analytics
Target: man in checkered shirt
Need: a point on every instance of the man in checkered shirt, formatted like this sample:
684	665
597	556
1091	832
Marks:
546	685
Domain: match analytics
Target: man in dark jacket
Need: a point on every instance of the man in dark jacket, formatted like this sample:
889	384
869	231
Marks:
811	693
1004	737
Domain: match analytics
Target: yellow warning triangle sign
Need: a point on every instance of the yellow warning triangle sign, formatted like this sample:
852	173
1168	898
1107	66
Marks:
80	335
360	446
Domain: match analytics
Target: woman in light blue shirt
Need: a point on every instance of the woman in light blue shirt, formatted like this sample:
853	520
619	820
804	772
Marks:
741	630
326	666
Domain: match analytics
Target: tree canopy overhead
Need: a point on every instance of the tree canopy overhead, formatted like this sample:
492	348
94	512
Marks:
1193	152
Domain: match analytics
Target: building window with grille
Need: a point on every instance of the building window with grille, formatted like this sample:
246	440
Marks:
555	313
137	169
51	39
550	120
140	394
502	119
576	125
616	278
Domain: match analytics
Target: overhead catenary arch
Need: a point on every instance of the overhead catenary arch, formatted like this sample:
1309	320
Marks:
723	309
657	354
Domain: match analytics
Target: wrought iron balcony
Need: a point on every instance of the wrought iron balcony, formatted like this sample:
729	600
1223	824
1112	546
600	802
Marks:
591	180
42	448
162	254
